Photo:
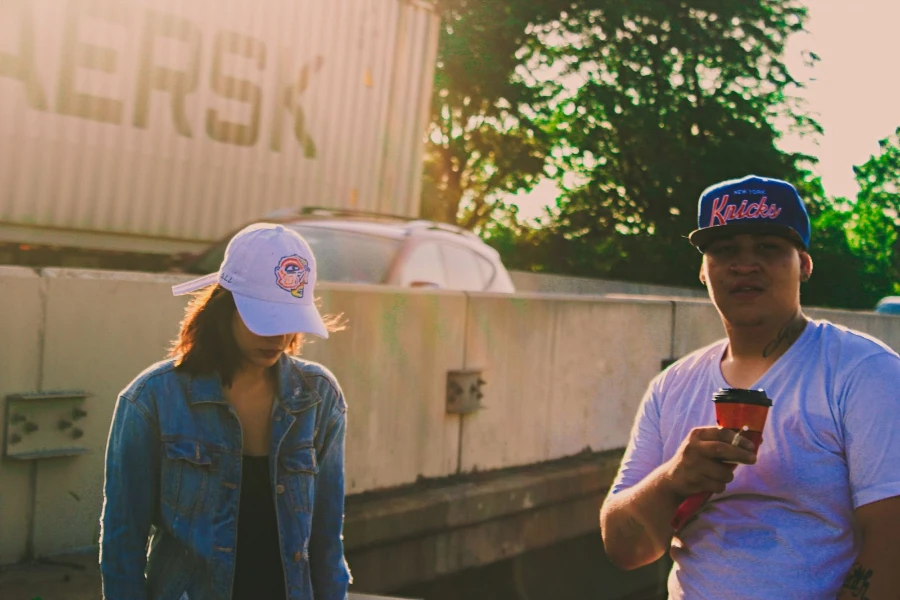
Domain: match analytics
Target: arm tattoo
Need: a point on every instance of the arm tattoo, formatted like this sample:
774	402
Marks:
857	581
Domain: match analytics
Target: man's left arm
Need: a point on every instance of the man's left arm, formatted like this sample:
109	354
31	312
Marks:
869	408
876	573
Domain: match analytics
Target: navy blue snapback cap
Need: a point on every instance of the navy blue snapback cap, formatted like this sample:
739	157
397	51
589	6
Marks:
751	204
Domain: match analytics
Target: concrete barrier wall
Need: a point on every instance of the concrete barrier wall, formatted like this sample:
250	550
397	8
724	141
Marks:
546	283
884	327
21	322
391	362
563	373
101	329
697	324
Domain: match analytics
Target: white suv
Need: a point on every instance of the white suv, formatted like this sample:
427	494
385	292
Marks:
356	247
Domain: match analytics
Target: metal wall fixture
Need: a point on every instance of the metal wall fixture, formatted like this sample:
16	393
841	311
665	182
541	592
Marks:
45	425
464	393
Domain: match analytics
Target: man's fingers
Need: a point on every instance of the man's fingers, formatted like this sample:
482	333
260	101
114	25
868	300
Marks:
736	439
707	434
713	485
703	464
722	451
720	434
711	469
720	473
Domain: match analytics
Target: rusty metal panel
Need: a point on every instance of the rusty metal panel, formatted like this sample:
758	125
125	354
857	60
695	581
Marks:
173	120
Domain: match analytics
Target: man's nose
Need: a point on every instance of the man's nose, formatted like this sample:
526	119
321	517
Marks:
745	261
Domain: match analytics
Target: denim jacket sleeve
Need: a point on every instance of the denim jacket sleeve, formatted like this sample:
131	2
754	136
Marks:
130	490
329	572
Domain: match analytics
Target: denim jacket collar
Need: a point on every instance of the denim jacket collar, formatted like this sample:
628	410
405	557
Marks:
294	394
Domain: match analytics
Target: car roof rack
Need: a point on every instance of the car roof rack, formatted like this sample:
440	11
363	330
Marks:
423	224
412	223
342	212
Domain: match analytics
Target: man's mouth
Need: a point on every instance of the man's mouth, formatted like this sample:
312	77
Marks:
746	290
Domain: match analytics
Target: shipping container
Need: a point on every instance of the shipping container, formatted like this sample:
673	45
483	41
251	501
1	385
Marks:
160	125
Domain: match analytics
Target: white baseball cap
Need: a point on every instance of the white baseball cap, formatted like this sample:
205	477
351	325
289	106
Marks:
271	272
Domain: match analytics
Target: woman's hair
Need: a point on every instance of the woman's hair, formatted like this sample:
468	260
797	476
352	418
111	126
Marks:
206	343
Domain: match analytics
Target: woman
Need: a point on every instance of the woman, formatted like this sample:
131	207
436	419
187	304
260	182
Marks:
232	450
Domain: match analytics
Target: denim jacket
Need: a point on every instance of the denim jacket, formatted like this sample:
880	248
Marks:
173	463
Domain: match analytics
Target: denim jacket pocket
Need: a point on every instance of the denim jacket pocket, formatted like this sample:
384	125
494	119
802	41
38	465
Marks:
186	469
300	469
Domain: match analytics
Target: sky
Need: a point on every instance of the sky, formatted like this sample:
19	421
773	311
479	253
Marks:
853	91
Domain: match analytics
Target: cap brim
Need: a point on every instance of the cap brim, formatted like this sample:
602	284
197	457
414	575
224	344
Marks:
278	318
195	284
703	237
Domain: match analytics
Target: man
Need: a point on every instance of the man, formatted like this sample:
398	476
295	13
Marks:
816	513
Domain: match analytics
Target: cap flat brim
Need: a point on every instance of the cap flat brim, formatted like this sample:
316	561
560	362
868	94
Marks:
278	318
703	237
195	284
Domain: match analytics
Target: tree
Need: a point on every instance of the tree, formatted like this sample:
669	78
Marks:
674	96
874	222
486	136
640	104
837	265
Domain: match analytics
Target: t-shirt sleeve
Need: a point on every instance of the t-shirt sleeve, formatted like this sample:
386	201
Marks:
871	409
645	449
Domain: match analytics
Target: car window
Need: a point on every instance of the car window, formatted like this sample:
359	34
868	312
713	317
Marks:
463	269
889	308
488	270
349	256
424	264
343	256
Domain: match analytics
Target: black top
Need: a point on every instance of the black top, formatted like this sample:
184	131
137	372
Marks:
258	573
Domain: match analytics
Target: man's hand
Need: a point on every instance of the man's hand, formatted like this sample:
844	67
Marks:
698	466
635	523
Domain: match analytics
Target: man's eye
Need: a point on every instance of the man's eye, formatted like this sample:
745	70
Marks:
721	249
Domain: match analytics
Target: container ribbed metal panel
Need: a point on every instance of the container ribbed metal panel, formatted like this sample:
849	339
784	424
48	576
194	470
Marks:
183	120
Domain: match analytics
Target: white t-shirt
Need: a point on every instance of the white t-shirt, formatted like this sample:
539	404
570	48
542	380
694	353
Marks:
784	527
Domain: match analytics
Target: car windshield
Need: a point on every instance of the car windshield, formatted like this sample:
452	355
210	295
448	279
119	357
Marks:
889	308
343	256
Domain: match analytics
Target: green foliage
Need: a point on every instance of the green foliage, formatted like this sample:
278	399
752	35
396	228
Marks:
634	107
854	244
676	96
874	220
486	136
834	263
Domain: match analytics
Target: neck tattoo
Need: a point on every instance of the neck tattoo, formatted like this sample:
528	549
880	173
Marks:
788	333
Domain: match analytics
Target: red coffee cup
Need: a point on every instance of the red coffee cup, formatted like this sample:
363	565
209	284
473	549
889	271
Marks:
745	413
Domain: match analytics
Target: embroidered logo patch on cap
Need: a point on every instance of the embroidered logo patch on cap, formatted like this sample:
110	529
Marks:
292	274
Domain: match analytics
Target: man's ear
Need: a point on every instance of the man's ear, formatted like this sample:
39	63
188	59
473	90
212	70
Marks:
702	276
806	266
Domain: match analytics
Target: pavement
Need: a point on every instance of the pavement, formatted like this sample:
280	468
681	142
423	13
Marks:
71	577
